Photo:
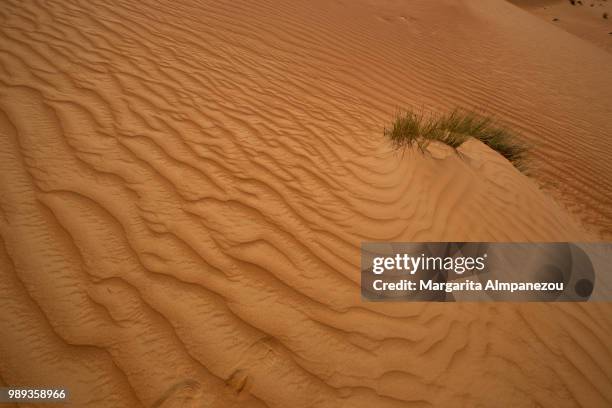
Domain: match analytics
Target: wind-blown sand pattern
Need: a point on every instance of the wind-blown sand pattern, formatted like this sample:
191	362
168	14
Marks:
184	187
590	20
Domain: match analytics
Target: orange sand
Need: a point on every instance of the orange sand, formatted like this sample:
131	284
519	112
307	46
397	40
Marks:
585	19
184	187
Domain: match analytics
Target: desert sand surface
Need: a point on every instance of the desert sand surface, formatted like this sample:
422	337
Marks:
185	185
587	19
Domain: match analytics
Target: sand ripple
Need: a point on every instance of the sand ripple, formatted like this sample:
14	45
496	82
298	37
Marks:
184	187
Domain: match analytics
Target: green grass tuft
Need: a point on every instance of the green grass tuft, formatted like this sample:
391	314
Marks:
454	128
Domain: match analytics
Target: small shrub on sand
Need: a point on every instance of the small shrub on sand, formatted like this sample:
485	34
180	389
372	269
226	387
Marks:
454	128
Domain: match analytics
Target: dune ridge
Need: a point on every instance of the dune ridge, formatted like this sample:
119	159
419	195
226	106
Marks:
589	20
184	187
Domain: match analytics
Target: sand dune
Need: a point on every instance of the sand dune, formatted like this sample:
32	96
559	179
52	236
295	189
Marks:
184	187
590	20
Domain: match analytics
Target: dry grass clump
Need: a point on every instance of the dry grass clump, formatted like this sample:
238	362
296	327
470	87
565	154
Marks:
454	128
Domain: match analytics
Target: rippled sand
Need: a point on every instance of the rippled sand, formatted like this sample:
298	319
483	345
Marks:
184	187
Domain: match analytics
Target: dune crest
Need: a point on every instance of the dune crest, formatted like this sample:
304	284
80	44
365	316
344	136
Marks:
590	20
